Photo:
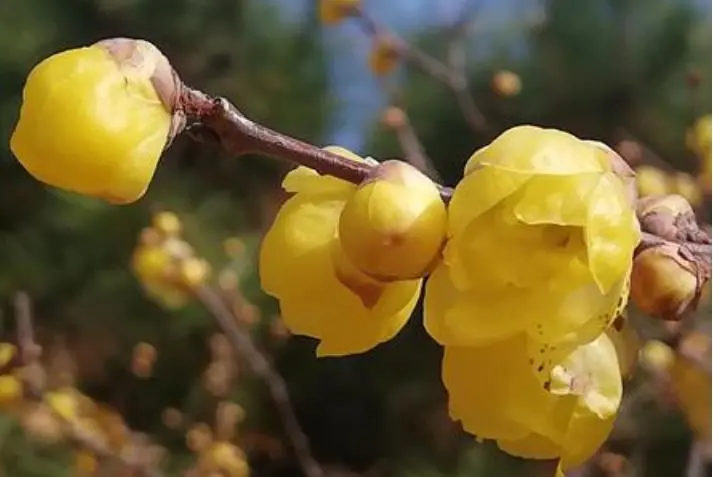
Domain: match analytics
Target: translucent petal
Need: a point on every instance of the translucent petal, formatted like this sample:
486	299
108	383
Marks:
612	232
477	391
561	200
592	373
533	150
586	433
478	192
308	181
532	446
453	317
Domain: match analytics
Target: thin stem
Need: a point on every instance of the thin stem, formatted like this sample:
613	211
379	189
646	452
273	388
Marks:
259	364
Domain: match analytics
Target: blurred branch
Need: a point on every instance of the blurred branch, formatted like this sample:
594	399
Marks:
452	74
259	364
29	352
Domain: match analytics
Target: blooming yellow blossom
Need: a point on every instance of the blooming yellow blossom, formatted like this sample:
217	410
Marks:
394	225
332	12
92	120
541	236
321	293
567	419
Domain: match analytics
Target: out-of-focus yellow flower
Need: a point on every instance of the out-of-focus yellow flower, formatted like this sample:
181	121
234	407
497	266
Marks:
506	83
394	225
224	458
656	356
686	186
156	270
167	223
382	58
332	12
95	120
569	418
85	463
541	236
652	181
699	141
321	293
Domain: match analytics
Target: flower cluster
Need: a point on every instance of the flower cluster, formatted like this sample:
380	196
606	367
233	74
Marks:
166	265
529	266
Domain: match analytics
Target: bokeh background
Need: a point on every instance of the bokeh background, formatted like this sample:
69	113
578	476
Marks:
632	73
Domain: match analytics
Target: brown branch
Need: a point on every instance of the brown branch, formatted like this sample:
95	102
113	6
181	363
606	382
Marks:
242	342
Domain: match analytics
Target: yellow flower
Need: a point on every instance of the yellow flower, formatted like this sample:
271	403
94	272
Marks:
686	186
541	236
92	120
394	224
332	12
567	419
321	293
165	270
382	58
652	181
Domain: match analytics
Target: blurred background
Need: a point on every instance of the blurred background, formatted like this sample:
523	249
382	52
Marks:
635	74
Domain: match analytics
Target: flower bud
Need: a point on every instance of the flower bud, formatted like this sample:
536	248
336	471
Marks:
95	120
687	186
669	216
331	12
194	272
656	356
383	58
651	181
664	284
167	223
506	83
394	225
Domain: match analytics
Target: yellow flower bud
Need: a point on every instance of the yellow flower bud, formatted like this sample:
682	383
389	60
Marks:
321	293
506	83
568	419
656	356
668	216
95	120
156	269
226	458
685	185
652	181
394	225
332	12
541	236
664	284
194	272
383	59
167	223
394	117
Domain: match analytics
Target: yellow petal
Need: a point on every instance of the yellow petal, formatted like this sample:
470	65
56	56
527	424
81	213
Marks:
477	391
533	150
561	200
612	232
308	181
478	192
453	317
532	446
